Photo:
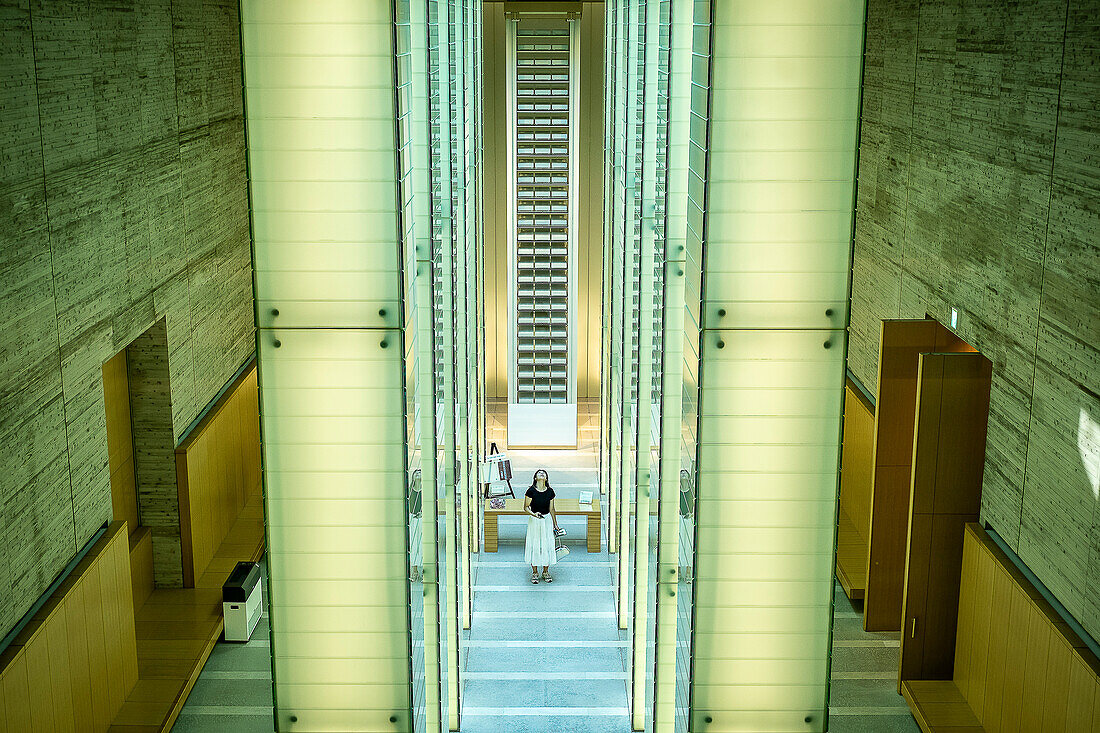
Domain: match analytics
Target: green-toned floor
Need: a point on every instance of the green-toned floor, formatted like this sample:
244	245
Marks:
546	657
233	692
863	695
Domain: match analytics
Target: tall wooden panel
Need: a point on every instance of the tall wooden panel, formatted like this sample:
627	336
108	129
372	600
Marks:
217	472
902	342
854	515
952	408
120	442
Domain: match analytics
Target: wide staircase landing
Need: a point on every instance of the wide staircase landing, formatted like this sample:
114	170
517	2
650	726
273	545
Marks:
546	657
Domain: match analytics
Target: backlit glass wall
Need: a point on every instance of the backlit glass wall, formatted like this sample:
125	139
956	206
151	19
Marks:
416	222
688	45
319	81
543	54
650	305
625	25
783	128
727	251
364	149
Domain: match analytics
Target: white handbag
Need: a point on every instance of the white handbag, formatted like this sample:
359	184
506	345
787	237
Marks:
560	549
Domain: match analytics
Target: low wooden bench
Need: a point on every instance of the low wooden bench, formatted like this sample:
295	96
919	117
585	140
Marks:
1018	666
562	507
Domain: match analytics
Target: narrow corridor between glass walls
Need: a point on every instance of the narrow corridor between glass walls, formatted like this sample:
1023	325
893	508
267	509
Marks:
551	656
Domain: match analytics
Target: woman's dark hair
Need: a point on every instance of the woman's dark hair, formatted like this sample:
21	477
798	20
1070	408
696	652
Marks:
535	478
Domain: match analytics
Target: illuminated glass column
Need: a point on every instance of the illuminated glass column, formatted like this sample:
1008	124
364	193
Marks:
454	81
416	219
369	410
783	127
625	23
440	69
611	376
322	153
650	306
686	173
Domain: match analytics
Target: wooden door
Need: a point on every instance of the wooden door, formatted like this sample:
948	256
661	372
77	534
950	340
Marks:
952	409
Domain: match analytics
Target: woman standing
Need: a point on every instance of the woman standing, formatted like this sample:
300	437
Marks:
539	550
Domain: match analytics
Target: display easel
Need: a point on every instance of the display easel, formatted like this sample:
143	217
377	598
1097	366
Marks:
497	467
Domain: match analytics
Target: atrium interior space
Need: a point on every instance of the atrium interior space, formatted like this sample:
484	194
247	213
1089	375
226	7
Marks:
550	366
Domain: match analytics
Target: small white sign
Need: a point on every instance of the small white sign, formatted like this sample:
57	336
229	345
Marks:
954	318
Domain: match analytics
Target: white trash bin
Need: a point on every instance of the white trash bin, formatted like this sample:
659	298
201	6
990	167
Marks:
242	601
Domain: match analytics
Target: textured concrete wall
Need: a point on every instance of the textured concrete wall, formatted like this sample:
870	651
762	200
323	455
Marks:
122	201
150	388
979	189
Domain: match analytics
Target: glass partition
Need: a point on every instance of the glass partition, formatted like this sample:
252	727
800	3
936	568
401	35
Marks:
327	261
783	129
650	305
364	148
337	518
416	219
453	85
689	34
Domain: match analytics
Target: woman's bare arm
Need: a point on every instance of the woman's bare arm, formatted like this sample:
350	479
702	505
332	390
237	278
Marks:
553	515
527	506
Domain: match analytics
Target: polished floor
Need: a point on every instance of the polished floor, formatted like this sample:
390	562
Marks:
546	657
550	658
233	692
863	695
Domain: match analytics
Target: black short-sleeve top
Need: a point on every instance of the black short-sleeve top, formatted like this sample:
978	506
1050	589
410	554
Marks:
540	500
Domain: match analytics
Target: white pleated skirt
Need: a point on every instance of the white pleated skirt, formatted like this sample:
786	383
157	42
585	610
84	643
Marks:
539	549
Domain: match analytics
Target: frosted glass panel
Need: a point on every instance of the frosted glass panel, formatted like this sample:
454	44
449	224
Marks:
336	518
783	136
765	526
319	90
320	109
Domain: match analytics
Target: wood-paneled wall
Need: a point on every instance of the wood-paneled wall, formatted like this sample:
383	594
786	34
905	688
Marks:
120	441
1017	664
946	494
141	566
854	516
218	470
901	343
71	668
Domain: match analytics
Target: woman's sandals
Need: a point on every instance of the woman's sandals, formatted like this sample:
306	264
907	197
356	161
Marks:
534	578
547	577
